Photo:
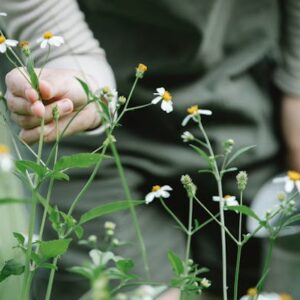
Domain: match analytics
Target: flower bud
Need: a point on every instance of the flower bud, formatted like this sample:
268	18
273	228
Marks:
281	196
242	179
205	283
140	70
55	113
122	100
92	238
24	45
228	146
188	184
187	137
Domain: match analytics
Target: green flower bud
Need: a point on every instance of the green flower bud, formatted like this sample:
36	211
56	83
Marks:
228	146
188	184
242	179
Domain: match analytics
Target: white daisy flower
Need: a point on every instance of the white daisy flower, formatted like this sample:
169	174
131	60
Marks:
187	137
228	200
3	14
49	39
290	181
166	99
6	161
194	111
158	192
267	296
5	43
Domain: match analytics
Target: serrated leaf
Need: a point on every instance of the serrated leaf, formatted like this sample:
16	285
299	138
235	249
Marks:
107	209
19	237
49	249
245	210
239	153
9	200
201	153
81	160
11	267
176	263
27	165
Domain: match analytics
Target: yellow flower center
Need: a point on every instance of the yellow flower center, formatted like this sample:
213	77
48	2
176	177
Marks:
167	96
285	297
24	44
252	292
48	35
142	68
4	149
155	188
293	175
193	109
2	39
226	197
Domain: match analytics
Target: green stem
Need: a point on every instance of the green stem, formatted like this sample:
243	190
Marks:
26	281
131	206
138	107
237	271
173	216
51	279
221	210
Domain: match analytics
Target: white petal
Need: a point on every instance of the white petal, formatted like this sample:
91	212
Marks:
149	197
186	120
3	48
6	163
166	188
39	40
231	202
3	14
95	255
297	183
216	198
160	91
164	194
289	186
156	100
56	41
167	106
11	43
44	44
205	112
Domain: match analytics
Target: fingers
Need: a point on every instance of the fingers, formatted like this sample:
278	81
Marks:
18	105
65	106
86	119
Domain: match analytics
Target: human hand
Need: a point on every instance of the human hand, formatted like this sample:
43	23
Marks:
291	130
57	87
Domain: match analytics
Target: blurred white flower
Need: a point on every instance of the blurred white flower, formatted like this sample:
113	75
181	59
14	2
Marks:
3	14
187	137
290	181
267	296
49	39
205	283
227	199
158	192
5	43
145	292
166	99
193	112
6	161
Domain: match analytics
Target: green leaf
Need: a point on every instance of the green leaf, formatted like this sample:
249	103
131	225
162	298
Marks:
32	75
26	165
58	175
81	160
239	153
83	271
11	267
19	237
9	200
206	171
85	87
202	154
54	248
107	209
245	210
125	265
48	266
229	170
105	109
79	231
292	219
176	263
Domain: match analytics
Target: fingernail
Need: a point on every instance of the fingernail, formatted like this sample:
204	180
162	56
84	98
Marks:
66	106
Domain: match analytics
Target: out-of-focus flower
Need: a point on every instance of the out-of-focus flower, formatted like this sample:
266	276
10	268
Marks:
49	39
205	283
24	46
290	181
227	199
6	161
145	292
158	192
3	14
252	294
187	137
6	43
193	112
166	99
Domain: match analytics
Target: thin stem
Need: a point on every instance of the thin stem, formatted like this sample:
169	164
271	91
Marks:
205	223
45	61
173	216
237	271
51	279
26	283
138	107
131	207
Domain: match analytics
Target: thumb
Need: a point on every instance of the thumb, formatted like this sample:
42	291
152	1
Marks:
48	90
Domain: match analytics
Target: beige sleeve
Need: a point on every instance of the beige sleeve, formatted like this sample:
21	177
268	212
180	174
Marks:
29	19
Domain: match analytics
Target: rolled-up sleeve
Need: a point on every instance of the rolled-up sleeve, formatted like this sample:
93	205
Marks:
287	74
